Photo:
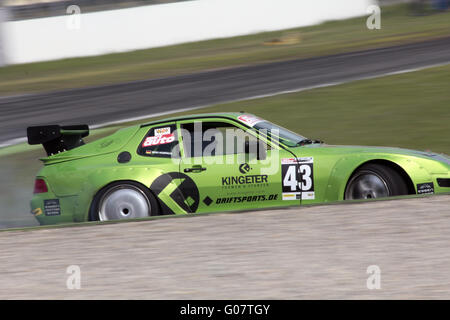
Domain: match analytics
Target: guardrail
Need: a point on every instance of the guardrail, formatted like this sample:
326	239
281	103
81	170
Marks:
58	8
3	18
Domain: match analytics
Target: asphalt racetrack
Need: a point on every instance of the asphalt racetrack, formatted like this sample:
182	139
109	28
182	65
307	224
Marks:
106	104
319	252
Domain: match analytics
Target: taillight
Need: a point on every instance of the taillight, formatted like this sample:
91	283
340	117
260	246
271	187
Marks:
40	186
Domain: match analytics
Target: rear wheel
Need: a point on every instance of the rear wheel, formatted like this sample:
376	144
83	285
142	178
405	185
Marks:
123	200
375	181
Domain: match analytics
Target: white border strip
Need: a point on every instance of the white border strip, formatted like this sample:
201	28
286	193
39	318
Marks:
12	142
330	84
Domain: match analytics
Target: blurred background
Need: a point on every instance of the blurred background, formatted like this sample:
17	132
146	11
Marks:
112	63
30	9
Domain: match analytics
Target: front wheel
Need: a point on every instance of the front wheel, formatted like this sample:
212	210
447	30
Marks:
123	200
375	181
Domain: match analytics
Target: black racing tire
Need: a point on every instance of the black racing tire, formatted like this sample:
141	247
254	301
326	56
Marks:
374	180
123	200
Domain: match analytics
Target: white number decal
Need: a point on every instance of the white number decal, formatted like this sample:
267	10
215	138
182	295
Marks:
290	179
305	170
297	178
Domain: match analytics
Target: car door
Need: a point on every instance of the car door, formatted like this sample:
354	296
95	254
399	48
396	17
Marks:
216	156
159	155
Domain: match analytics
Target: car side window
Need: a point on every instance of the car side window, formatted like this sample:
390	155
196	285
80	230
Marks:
213	139
159	141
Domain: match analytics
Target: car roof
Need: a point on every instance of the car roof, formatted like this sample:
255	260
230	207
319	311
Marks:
227	115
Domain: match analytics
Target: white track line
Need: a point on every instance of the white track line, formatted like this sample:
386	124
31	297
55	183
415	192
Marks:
330	84
12	142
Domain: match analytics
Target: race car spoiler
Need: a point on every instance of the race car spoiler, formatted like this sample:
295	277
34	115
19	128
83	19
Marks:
56	139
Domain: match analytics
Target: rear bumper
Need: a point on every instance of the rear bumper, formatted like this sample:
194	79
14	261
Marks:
49	209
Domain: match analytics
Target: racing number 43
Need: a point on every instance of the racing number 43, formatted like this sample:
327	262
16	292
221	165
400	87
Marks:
297	178
303	171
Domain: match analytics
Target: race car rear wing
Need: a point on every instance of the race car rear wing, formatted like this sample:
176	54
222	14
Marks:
56	139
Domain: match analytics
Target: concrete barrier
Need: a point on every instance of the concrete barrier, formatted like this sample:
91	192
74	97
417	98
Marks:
144	27
3	18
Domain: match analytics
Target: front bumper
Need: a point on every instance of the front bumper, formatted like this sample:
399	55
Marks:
441	183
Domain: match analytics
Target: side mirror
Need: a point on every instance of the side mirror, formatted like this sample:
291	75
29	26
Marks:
257	148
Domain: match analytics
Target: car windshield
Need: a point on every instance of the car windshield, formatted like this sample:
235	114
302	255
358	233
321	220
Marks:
285	136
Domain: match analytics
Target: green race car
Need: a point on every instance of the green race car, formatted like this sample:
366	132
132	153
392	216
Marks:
214	162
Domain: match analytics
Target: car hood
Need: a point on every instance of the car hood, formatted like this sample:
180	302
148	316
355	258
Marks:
338	149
